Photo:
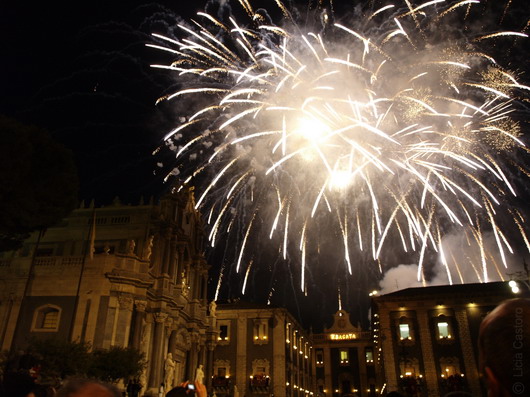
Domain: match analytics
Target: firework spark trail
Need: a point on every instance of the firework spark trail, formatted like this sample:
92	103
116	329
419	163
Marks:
394	130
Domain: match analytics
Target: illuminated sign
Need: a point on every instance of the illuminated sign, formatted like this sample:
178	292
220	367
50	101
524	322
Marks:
342	336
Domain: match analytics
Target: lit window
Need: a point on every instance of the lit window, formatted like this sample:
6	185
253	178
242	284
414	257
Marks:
344	357
50	319
261	331
46	319
404	331
320	357
443	330
369	355
224	331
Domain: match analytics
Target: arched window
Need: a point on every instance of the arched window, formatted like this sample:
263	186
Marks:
46	319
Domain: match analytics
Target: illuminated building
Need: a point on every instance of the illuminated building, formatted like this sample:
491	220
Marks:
261	350
427	337
344	360
118	275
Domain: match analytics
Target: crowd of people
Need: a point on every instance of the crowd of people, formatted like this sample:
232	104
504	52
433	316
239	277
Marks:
504	361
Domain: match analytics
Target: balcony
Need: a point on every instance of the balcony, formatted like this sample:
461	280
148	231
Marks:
259	384
221	384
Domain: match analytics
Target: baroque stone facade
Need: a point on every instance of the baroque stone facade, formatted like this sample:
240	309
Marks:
116	276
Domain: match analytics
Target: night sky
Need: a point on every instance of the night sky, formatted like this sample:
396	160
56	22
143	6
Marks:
81	70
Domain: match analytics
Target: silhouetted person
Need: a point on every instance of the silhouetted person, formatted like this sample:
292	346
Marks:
504	349
87	388
17	384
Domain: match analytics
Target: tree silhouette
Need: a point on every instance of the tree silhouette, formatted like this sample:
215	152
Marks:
38	182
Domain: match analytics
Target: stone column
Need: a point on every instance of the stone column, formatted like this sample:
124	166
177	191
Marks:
180	264
167	332
172	342
431	375
145	342
166	256
172	258
155	253
123	326
156	374
193	359
204	296
139	319
210	345
471	369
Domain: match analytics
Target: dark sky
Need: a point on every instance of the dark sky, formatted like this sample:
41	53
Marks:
81	70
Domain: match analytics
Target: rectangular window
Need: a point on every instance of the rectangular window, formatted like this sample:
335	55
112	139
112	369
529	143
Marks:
261	331
221	372
344	357
223	326
369	354
223	332
443	330
320	357
404	331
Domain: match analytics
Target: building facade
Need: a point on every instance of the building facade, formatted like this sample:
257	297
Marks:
344	360
427	337
116	276
261	350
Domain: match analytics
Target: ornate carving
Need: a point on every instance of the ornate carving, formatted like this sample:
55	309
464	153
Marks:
160	317
221	364
183	339
125	301
140	305
260	366
195	337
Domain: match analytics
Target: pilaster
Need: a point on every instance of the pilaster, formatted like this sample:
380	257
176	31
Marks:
431	375
471	370
241	355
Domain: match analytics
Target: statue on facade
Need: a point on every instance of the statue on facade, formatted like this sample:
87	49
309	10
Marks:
169	372
212	308
131	245
199	374
149	248
184	283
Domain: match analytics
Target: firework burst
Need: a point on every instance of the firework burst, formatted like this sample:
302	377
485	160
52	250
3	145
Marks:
376	130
